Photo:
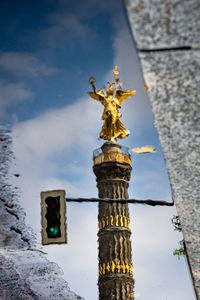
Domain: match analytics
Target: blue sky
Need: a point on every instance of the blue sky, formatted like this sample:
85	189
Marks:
48	51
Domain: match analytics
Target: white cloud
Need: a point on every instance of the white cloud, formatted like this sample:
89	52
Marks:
24	64
67	30
72	24
19	64
67	134
73	127
12	94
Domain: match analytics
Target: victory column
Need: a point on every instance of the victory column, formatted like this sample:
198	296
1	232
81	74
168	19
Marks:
112	167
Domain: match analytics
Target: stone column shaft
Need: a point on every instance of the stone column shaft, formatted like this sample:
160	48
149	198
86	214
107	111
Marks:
115	258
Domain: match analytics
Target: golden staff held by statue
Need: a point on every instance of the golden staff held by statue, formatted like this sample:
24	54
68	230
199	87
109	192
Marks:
112	127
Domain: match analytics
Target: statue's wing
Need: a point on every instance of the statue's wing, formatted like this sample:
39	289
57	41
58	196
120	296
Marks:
99	95
123	95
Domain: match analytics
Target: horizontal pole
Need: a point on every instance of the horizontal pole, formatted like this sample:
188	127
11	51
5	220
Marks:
184	48
133	201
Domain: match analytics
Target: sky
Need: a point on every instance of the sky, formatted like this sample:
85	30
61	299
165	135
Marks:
48	51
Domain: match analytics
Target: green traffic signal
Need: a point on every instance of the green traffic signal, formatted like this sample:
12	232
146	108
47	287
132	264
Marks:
54	231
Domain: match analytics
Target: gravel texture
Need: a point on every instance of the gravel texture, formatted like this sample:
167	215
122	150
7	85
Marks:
173	80
164	23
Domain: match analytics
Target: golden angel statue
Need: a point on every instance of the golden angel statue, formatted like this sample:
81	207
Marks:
112	127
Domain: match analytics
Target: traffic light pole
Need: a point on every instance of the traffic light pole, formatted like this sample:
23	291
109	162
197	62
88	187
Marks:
133	201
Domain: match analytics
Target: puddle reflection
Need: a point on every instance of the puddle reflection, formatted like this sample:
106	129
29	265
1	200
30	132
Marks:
55	130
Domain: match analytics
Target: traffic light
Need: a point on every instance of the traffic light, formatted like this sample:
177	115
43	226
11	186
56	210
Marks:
53	217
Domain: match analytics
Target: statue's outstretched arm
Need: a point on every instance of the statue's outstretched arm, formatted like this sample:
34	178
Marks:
97	95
